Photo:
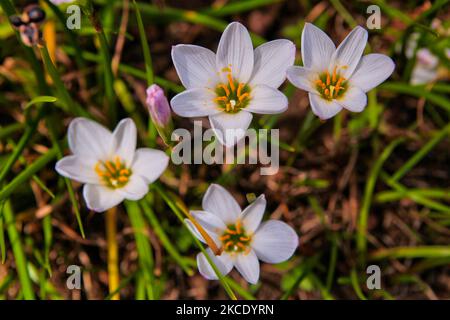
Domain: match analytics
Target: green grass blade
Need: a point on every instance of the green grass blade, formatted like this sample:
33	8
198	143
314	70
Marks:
165	241
145	48
19	255
411	252
416	91
419	155
361	239
26	137
143	246
26	174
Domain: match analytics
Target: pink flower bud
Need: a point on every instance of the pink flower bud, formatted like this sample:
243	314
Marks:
158	106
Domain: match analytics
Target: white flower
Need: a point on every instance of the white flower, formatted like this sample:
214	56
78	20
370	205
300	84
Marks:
109	164
234	83
338	78
241	235
426	68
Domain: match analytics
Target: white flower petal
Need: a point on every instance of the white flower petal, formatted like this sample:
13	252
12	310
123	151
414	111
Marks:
100	198
208	227
248	266
197	102
149	163
253	214
230	128
125	136
195	65
235	51
317	48
274	242
211	222
322	108
219	201
354	99
267	100
223	263
271	62
302	78
372	70
135	189
349	52
194	230
88	138
78	168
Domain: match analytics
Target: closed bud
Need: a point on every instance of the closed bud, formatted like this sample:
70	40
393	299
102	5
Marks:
158	106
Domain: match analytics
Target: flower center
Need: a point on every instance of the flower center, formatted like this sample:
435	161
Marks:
331	86
235	239
232	96
114	174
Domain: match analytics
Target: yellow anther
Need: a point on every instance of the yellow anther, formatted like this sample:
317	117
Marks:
122	179
221	99
224	237
124	172
228	230
231	83
110	167
228	245
225	88
243	97
334	75
239	90
244	239
238	226
328	79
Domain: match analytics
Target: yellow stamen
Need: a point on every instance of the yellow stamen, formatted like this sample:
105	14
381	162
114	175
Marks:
334	74
224	87
240	245
228	244
238	226
124	172
327	92
118	164
328	79
230	231
239	90
225	237
123	179
244	239
230	80
221	99
244	96
110	167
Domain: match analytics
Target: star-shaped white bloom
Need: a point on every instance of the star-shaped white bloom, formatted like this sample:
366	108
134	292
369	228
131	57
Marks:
234	83
109	164
338	78
241	235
